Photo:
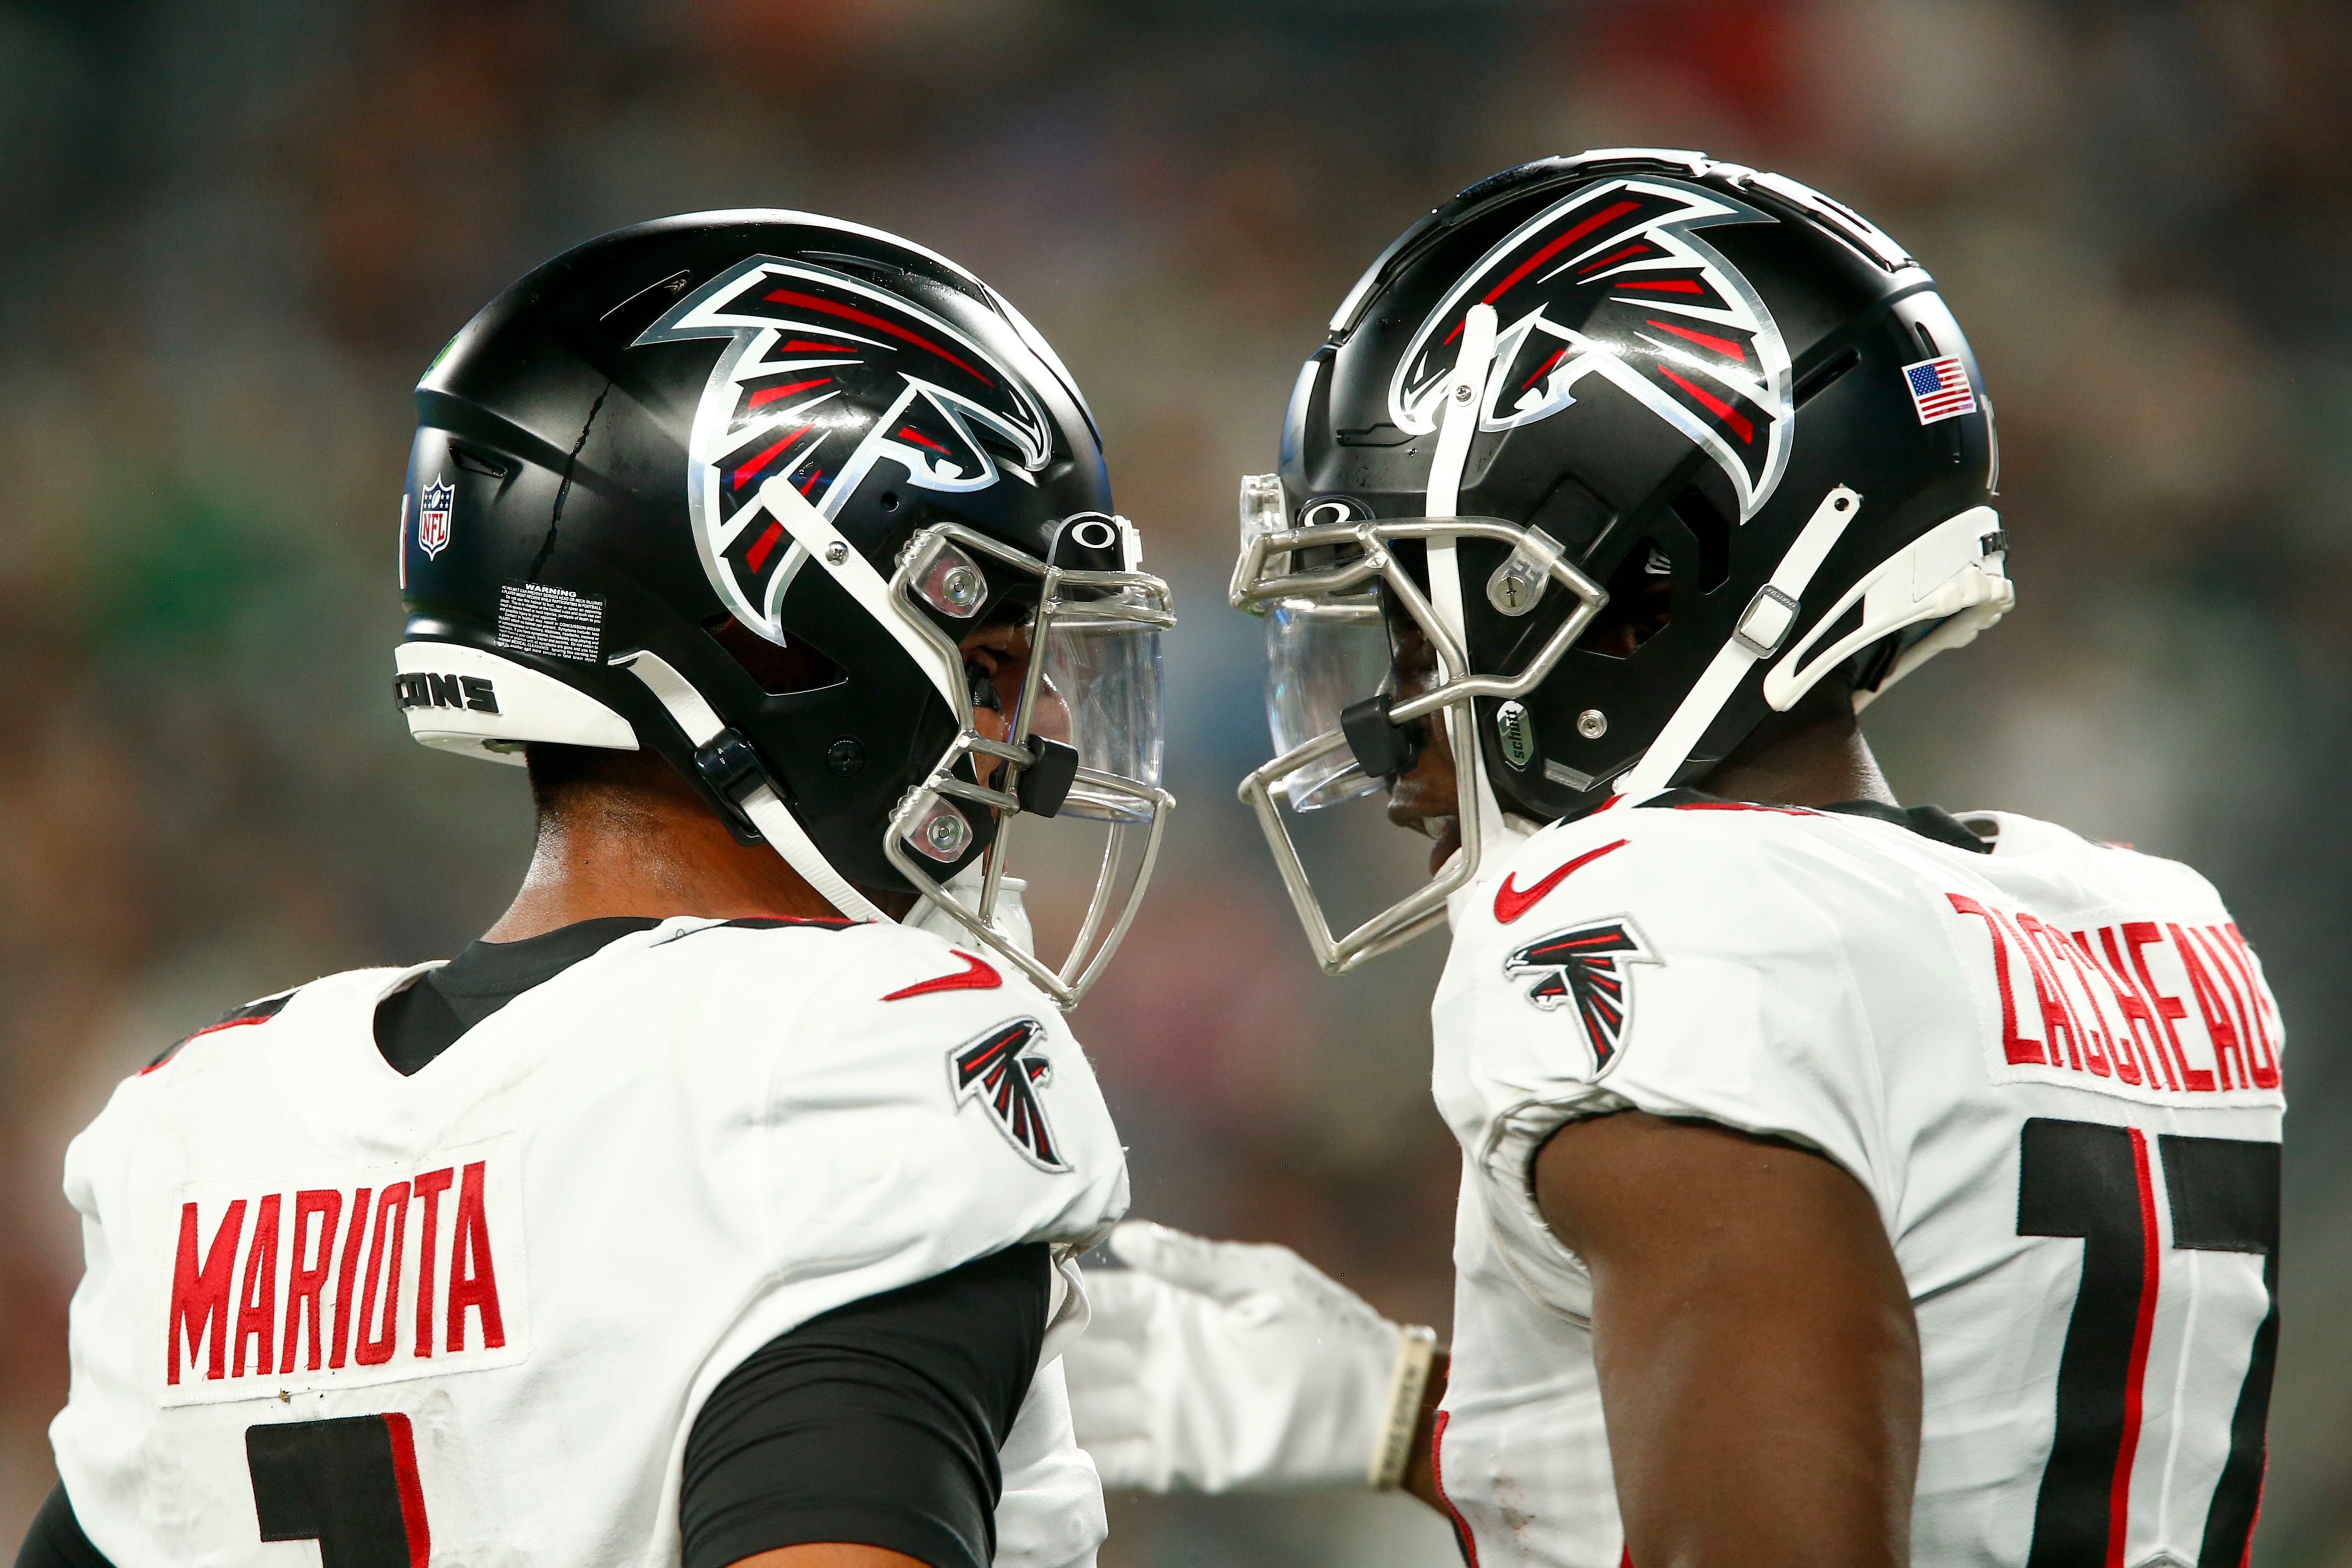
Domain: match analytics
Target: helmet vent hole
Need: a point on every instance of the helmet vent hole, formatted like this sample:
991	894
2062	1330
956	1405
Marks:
1640	604
780	672
478	465
1707	525
1821	377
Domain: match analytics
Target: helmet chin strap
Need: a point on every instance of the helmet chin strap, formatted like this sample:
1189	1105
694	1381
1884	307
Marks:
1480	818
772	817
1758	636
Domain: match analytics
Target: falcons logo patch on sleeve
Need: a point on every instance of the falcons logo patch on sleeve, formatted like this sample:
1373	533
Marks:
999	1070
1585	968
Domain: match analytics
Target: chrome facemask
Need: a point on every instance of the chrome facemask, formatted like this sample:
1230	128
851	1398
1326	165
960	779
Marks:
1327	652
1084	739
1327	656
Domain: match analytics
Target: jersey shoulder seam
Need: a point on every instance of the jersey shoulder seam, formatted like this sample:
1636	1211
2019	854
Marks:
260	1010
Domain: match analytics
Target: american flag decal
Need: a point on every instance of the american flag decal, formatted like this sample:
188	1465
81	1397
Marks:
997	1070
1939	389
1585	968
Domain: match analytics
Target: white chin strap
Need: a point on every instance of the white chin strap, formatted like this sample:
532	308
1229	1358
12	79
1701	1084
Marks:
1762	628
772	817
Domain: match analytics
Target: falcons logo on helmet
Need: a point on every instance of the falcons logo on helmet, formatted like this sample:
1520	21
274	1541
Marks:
826	376
1585	968
1614	281
998	1070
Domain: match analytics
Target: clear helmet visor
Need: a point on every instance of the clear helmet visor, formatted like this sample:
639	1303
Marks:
1322	655
1055	675
1100	693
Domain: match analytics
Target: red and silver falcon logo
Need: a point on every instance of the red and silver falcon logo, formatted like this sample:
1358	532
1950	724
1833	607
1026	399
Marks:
1585	968
998	1070
826	376
1614	282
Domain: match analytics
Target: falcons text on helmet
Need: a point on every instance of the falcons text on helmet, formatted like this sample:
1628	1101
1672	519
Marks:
1614	281
826	376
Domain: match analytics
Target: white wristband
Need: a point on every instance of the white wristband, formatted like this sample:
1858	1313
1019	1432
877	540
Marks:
1393	1457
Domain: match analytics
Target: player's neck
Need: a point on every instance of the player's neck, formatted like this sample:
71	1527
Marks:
1817	759
651	854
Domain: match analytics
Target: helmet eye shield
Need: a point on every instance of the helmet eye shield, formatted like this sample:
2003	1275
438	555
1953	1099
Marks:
1323	655
1347	620
1329	593
1074	729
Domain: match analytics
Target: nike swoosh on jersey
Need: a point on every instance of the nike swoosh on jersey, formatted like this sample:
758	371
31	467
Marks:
977	975
1511	902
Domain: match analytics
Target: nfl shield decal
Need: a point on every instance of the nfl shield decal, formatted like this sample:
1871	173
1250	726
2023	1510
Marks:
999	1070
1584	969
434	505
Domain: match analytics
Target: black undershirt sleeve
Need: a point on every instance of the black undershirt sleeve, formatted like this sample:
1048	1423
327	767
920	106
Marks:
877	1425
56	1540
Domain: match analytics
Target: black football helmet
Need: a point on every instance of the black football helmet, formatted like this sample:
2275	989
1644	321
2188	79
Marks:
1579	380
733	487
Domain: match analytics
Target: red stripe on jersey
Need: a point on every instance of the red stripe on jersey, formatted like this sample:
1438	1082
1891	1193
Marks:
412	1492
1741	806
165	1060
1469	1543
2119	1497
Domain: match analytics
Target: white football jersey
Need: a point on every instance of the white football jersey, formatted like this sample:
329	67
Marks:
2054	1067
469	1315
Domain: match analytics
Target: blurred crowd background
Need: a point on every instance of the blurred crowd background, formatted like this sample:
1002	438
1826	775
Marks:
233	233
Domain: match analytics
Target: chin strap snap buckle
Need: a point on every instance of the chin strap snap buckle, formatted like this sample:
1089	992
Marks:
733	770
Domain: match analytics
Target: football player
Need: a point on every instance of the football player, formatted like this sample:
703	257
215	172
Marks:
716	1205
1842	1181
